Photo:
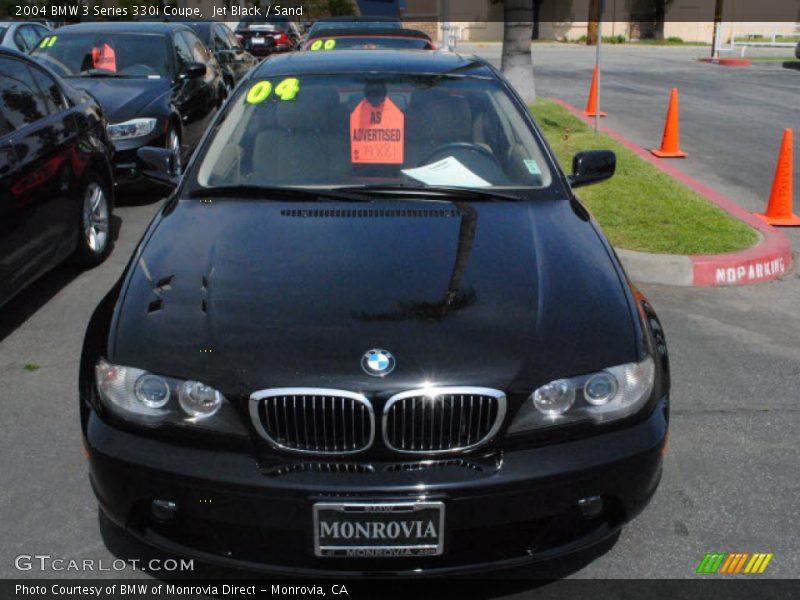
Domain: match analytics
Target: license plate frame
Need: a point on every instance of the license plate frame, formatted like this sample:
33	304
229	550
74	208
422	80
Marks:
382	550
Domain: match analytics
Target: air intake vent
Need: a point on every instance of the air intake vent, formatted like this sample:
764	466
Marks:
311	420
426	465
370	213
319	467
442	419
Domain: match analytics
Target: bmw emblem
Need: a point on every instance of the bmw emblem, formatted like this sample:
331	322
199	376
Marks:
377	362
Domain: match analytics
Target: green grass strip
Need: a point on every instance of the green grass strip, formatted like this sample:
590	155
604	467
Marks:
642	208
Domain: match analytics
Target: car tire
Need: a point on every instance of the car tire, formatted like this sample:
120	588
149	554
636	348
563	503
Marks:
94	233
172	140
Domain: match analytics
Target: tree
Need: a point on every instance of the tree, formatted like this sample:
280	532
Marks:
517	61
594	17
660	15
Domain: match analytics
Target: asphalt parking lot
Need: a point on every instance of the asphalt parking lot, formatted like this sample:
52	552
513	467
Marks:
730	481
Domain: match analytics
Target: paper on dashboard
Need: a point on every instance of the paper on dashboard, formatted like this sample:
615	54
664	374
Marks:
447	172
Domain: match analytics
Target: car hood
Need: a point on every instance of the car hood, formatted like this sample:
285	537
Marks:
246	295
122	99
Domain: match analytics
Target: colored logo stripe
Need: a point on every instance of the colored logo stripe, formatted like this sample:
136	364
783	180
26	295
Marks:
711	562
758	564
733	563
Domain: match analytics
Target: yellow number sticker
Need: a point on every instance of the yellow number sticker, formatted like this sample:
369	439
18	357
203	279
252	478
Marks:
259	92
52	41
287	89
48	41
316	45
330	44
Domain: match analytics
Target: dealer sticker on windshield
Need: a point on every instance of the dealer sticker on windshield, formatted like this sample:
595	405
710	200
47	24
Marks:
377	133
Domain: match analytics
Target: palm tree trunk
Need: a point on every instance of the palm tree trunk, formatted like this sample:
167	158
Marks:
591	29
517	61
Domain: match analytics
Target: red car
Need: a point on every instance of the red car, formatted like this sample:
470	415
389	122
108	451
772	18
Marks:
369	38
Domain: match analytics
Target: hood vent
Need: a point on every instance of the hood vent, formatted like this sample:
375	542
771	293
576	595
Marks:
371	213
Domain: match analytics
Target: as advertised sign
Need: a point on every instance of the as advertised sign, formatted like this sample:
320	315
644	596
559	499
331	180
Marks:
377	133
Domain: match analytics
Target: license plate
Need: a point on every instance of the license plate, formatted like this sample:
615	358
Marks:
378	530
258	40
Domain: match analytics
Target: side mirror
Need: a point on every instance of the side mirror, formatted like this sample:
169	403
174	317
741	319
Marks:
195	71
591	167
160	165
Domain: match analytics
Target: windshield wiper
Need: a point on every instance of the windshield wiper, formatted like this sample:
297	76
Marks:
265	192
99	73
449	192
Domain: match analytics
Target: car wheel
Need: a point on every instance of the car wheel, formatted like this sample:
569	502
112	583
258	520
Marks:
174	144
94	236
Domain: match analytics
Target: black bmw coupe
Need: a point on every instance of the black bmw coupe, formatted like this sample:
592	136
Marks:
373	330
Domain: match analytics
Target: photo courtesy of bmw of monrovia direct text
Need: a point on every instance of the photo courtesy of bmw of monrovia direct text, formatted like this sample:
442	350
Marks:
399	298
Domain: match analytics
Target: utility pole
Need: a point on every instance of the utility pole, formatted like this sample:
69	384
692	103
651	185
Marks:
600	8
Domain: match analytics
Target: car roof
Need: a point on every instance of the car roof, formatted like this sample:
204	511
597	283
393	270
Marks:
372	61
356	19
159	27
371	32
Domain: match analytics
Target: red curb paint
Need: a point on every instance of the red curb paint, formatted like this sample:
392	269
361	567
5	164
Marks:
765	261
728	62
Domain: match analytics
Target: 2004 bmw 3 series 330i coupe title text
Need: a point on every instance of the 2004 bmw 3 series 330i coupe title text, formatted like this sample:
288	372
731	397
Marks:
373	330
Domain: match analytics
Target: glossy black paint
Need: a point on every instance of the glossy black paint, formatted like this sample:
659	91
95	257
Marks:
233	59
180	102
44	163
592	167
288	293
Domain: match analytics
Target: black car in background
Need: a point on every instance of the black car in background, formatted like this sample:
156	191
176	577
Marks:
263	37
157	83
22	35
374	330
234	60
56	190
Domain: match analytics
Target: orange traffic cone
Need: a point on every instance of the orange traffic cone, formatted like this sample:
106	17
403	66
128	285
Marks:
591	106
670	145
779	209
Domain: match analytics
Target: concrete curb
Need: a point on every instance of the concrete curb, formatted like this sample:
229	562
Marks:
728	62
767	260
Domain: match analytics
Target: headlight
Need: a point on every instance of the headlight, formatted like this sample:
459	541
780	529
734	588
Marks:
131	129
147	399
611	394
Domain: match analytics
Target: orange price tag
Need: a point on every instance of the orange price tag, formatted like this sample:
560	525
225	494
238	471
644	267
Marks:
377	133
104	58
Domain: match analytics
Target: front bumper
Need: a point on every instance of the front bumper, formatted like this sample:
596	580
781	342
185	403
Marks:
127	166
502	511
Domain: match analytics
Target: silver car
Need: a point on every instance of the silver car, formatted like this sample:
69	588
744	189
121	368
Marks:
22	35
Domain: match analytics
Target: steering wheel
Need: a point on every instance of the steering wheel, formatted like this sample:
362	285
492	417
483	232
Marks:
468	146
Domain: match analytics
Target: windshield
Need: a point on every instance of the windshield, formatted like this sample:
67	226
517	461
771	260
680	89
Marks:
331	25
369	42
109	54
350	130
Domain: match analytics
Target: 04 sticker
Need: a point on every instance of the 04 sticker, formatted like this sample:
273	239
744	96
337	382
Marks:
285	90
